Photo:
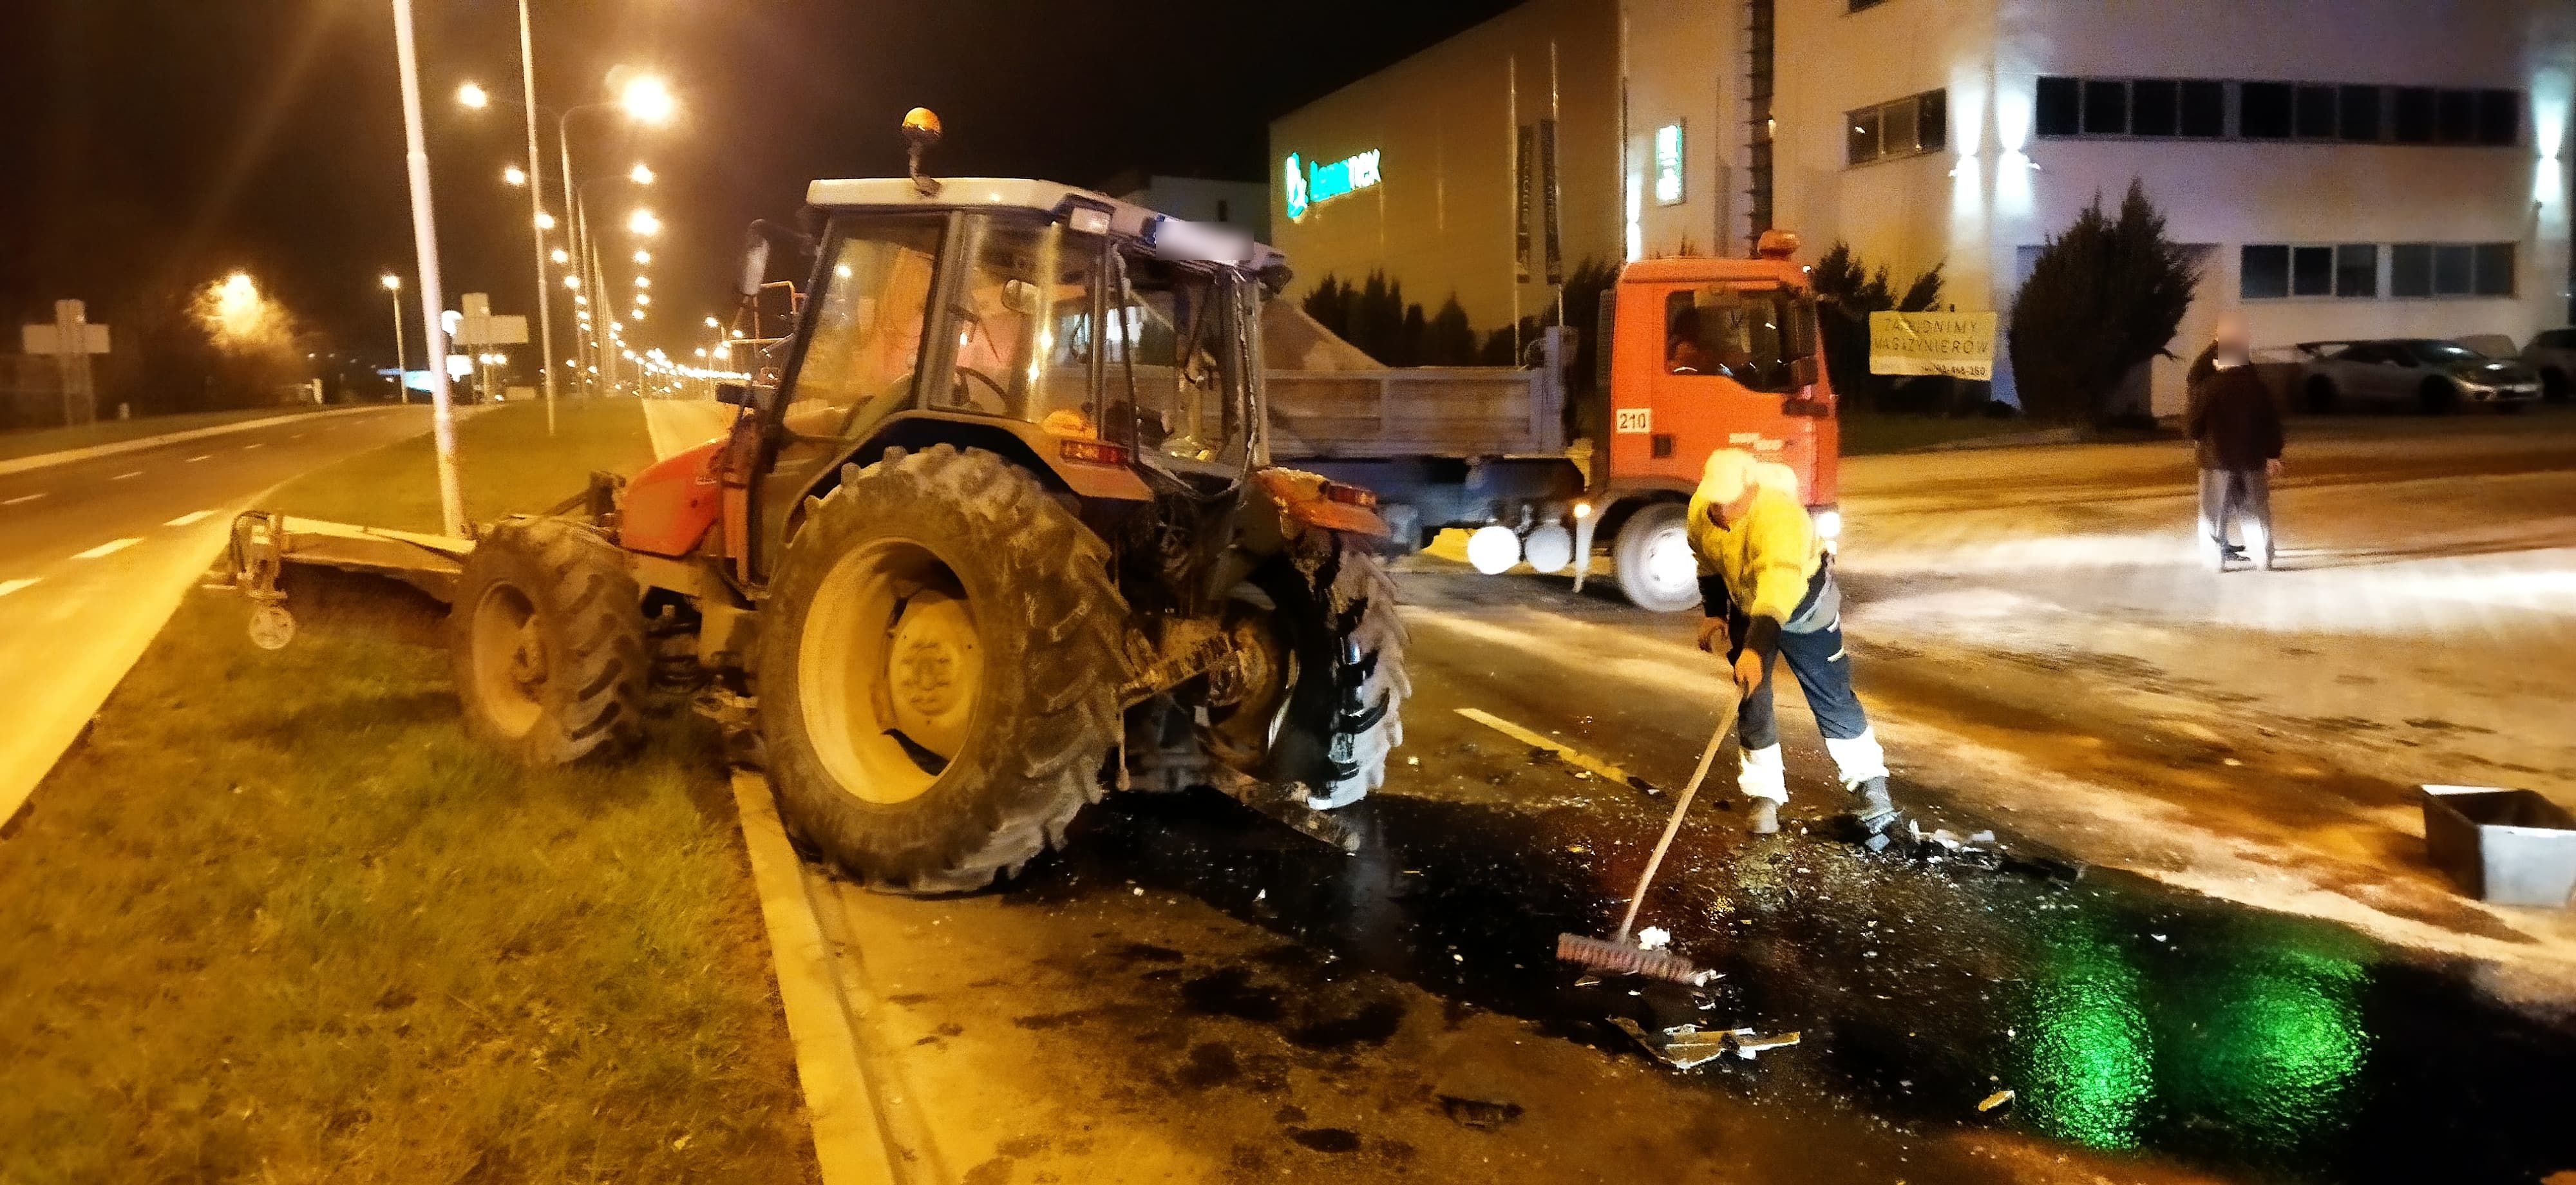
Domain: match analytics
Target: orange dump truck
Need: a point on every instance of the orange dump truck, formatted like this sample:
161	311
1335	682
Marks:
1698	354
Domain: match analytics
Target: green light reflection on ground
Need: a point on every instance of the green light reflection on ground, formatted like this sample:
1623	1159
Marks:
2088	1053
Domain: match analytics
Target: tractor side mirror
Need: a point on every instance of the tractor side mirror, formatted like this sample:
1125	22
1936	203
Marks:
755	265
737	394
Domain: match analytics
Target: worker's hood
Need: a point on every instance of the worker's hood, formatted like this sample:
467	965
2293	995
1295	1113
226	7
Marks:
1729	472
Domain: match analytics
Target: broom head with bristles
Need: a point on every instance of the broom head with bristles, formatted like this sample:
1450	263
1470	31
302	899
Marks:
1615	958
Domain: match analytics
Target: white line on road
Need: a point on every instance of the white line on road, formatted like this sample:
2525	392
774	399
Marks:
108	548
10	586
1573	757
199	457
22	498
123	476
193	516
248	447
297	436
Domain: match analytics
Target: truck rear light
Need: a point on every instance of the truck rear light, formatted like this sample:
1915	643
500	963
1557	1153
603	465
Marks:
1093	452
1350	495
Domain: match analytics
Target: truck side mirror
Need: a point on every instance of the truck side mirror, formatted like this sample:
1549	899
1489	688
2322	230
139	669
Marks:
1802	372
737	394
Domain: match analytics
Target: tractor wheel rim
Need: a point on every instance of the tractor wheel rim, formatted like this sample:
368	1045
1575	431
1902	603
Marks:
509	659
890	671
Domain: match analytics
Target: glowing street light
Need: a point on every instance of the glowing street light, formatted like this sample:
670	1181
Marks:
514	176
574	283
641	174
561	256
643	281
642	222
642	298
643	258
545	221
712	323
473	96
648	99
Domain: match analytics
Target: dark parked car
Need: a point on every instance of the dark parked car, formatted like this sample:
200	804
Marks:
2429	374
2552	355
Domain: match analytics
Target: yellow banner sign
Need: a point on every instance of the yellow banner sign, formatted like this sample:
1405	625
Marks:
1960	345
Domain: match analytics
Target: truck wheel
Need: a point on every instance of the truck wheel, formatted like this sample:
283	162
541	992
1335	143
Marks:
1653	553
1334	709
546	641
938	671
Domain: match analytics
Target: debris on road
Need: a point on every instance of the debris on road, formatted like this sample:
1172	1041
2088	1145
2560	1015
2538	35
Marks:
1997	1099
1654	938
1482	1115
1688	1047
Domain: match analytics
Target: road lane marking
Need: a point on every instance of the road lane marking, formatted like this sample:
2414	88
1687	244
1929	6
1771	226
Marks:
193	516
10	586
123	476
1574	757
297	436
199	457
23	498
111	547
248	447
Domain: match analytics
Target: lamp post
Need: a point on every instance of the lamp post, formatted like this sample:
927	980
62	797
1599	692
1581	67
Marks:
537	198
402	372
424	233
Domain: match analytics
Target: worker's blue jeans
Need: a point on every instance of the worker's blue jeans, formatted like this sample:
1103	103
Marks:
1823	668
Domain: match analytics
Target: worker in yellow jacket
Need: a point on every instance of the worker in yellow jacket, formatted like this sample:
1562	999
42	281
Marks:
1767	585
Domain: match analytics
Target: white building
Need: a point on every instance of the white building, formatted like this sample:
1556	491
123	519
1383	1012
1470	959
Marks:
2347	167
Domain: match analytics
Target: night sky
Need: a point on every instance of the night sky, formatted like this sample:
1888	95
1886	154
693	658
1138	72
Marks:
150	145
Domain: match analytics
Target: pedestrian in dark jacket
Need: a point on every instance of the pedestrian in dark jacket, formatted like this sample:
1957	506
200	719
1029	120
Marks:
2236	430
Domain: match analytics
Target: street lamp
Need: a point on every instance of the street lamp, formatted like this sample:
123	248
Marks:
643	258
642	223
402	371
514	176
545	221
648	99
640	174
561	256
473	96
424	233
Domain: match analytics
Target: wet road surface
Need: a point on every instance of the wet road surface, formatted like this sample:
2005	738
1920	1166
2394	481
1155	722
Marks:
1194	993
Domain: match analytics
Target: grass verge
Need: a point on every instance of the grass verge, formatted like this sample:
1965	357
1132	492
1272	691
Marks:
507	462
277	918
38	441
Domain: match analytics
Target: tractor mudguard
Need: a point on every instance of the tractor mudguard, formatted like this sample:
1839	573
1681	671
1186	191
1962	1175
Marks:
1311	500
670	505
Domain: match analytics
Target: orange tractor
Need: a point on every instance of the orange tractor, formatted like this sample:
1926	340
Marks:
994	532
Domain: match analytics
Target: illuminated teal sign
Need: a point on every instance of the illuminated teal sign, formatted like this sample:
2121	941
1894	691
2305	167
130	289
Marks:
1310	184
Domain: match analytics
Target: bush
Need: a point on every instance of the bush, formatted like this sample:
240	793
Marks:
1847	292
2102	299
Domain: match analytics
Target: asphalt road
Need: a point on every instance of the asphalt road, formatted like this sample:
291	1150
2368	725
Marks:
1191	993
94	554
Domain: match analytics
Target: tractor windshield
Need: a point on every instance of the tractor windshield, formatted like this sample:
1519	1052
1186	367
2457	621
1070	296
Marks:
1175	349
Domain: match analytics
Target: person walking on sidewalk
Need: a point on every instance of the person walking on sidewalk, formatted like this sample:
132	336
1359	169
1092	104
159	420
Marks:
2236	430
1768	587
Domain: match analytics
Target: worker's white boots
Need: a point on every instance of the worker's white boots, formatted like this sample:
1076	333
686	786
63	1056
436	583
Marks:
1762	776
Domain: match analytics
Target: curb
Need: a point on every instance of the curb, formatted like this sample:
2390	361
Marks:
139	443
850	1143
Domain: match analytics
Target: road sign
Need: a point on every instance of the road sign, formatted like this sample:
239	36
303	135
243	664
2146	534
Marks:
71	339
1960	345
490	331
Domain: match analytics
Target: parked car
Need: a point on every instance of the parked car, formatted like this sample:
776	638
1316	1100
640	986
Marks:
2429	374
2552	355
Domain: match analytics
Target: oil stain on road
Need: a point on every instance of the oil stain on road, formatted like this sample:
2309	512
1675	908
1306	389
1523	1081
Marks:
2125	1017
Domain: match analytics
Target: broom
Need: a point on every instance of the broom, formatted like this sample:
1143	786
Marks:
1616	955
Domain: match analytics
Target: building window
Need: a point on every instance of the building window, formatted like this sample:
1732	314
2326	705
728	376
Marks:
2201	108
1668	165
2451	269
2268	271
2357	270
1909	126
2358	113
2263	110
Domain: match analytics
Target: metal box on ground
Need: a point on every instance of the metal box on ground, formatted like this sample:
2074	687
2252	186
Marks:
2505	847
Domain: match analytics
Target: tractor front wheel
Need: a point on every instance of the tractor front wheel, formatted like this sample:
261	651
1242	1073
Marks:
546	641
938	672
1329	709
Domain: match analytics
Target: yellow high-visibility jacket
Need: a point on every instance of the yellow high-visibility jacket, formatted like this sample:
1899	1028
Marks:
1766	559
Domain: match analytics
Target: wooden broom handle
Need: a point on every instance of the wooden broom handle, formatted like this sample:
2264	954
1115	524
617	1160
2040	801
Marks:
1673	826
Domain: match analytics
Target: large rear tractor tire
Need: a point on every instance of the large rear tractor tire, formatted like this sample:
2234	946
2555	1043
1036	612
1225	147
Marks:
546	641
1656	569
938	671
1334	712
